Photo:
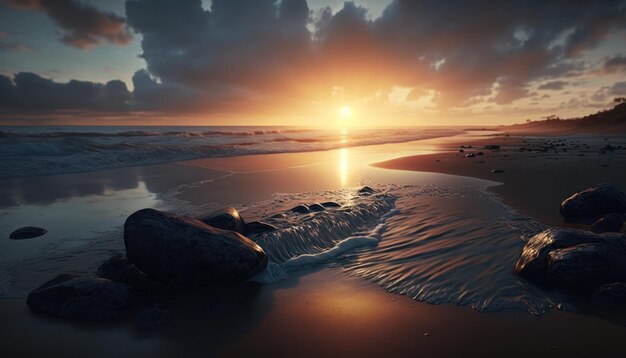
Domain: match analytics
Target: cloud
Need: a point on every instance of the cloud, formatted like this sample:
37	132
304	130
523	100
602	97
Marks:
265	49
261	55
606	93
553	85
82	26
6	46
618	89
30	92
11	46
615	64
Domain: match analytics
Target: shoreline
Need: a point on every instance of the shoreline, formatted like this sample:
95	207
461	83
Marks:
318	310
532	182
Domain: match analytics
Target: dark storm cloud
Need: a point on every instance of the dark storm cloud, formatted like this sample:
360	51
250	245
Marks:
553	85
262	49
31	92
82	26
615	64
256	52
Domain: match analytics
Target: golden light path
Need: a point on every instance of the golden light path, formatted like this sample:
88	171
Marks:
343	166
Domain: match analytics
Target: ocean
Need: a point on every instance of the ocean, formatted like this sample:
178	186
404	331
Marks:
34	151
433	237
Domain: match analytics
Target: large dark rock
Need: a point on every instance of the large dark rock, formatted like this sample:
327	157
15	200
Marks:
259	227
27	232
573	261
610	223
366	190
612	294
84	298
119	269
533	260
180	250
591	204
582	269
225	219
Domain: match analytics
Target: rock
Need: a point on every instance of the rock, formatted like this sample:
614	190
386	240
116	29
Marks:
573	261
582	269
219	306
470	155
84	298
316	207
461	151
610	223
591	204
225	219
331	204
480	153
183	251
300	209
259	227
533	261
152	317
497	171
366	190
27	232
612	294
492	147
119	269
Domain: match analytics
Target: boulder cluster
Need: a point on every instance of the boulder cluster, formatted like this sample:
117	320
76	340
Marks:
163	250
590	261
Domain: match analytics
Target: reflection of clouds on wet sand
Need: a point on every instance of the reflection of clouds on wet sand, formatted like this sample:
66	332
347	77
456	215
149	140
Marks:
48	189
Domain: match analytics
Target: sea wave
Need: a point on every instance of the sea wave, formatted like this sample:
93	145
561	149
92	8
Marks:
33	151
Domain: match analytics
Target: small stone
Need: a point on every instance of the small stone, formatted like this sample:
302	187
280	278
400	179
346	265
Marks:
259	227
225	219
27	232
331	204
316	207
300	209
497	171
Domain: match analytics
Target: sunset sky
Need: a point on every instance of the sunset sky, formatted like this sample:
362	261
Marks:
297	62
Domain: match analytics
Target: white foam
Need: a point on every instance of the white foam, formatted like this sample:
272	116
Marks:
275	272
38	151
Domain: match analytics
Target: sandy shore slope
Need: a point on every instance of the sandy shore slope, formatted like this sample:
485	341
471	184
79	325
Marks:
535	179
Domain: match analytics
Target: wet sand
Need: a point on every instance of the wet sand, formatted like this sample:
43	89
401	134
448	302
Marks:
325	312
534	182
315	313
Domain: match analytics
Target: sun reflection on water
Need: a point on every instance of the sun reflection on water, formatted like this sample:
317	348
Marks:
343	166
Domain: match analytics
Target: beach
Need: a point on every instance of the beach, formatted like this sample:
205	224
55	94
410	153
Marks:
355	304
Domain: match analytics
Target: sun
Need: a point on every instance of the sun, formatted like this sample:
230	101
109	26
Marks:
345	112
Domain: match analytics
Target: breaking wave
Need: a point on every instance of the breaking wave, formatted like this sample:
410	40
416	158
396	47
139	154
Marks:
35	151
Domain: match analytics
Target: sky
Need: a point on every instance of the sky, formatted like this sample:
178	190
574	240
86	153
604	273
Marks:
299	62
